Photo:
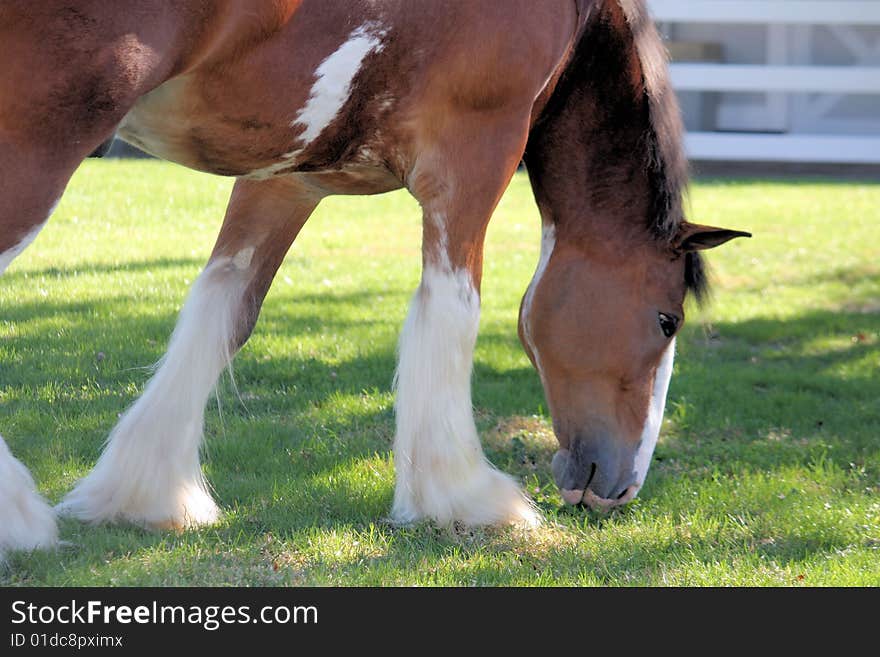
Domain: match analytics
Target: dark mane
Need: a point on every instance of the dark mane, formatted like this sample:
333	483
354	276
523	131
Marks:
614	103
666	159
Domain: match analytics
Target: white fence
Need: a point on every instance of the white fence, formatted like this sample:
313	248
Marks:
776	79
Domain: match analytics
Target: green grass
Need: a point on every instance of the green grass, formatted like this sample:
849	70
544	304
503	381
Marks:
767	471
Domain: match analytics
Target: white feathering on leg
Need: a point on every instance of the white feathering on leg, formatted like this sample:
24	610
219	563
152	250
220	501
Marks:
441	471
149	472
27	522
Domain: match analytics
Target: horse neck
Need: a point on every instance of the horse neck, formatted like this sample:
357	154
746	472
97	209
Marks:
591	201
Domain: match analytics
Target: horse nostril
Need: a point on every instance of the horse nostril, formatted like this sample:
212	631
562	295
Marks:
628	494
593	467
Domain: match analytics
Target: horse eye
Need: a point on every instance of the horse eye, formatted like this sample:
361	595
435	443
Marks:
668	324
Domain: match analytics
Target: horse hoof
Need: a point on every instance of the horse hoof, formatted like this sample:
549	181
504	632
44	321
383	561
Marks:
486	497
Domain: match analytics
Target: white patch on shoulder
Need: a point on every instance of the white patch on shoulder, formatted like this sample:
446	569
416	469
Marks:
330	92
651	430
333	80
548	243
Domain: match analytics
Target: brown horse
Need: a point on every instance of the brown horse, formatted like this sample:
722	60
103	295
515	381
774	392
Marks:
301	99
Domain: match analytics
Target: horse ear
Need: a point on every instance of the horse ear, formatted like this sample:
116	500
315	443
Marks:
694	237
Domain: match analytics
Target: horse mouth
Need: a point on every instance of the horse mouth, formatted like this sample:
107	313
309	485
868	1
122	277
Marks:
581	493
589	498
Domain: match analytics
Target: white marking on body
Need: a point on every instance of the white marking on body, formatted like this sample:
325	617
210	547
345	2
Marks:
333	80
287	161
242	259
651	430
27	522
441	471
386	103
441	248
548	243
149	472
329	93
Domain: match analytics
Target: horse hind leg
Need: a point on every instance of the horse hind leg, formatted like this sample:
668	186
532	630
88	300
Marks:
441	472
63	96
31	183
33	175
26	521
149	472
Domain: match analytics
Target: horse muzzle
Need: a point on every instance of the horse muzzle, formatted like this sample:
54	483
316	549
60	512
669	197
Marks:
596	470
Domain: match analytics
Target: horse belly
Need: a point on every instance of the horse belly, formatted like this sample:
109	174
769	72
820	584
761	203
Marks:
174	123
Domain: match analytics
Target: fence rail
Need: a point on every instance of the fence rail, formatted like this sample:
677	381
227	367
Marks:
793	147
793	12
812	79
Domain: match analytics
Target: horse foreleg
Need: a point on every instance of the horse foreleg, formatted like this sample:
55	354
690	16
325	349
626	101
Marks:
149	472
441	471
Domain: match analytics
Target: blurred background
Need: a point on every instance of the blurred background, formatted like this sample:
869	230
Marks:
786	82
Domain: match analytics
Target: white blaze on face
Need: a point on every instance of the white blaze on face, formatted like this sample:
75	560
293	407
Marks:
651	430
333	80
548	243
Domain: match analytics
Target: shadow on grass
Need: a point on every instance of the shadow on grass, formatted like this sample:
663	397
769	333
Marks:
127	267
756	396
867	275
785	387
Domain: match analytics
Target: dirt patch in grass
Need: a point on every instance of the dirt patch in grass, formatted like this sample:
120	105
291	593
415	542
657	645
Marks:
522	445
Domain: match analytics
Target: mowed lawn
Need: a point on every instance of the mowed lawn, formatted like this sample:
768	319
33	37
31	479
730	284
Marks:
767	471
